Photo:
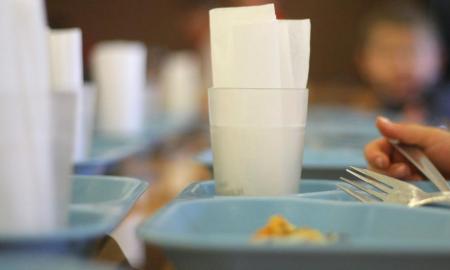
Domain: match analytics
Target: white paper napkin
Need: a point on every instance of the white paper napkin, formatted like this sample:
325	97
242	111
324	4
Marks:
254	60
222	23
294	39
251	49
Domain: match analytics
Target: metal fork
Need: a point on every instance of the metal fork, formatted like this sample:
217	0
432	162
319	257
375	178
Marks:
418	158
389	189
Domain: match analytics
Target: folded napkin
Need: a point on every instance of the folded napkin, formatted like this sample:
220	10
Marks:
223	22
251	49
294	38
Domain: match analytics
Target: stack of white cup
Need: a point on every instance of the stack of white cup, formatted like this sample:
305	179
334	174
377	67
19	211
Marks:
258	102
28	186
66	79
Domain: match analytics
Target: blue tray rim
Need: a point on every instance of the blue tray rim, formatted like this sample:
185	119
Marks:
185	193
118	210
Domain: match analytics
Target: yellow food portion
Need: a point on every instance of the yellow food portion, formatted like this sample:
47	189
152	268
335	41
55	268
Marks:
279	228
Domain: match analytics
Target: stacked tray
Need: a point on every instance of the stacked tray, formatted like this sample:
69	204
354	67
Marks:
107	150
99	203
200	230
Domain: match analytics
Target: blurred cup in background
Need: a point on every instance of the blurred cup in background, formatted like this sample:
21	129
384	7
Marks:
181	82
119	69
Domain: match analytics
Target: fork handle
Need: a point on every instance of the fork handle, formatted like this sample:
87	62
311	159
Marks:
418	158
436	197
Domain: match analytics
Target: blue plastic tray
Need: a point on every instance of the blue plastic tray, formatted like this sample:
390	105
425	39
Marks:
107	151
200	230
39	261
215	234
99	203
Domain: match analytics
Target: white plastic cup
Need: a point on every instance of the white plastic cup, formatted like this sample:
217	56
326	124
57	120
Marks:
257	138
88	110
64	117
119	69
180	81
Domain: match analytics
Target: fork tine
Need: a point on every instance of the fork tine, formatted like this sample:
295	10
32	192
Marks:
390	181
356	195
374	193
369	181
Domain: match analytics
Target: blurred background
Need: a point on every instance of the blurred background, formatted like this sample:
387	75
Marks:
373	56
167	26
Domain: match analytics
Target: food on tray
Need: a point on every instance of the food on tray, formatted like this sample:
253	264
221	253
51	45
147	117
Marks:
279	228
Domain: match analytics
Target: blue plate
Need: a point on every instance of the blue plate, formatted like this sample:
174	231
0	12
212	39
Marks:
99	203
201	233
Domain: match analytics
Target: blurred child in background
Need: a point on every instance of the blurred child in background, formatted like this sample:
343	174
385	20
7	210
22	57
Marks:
401	57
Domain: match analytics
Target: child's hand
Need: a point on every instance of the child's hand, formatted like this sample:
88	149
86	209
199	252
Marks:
382	157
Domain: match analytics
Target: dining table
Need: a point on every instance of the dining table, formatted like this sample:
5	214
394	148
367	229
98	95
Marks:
175	175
